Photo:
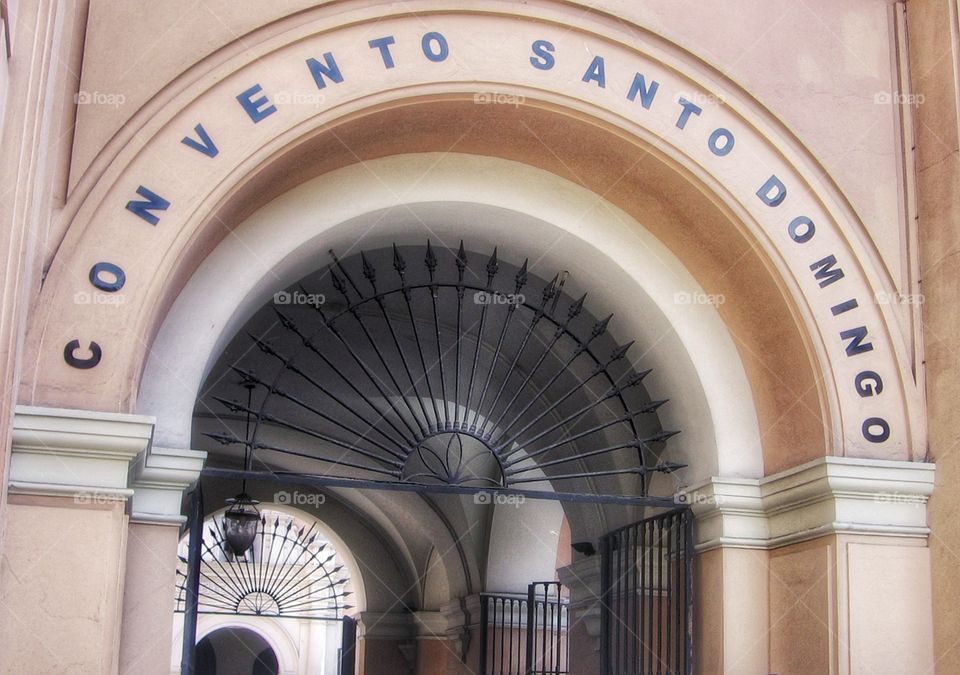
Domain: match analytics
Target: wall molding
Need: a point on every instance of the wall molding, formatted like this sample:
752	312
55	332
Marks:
829	495
99	456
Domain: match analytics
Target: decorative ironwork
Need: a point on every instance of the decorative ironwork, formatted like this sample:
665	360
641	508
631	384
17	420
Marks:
450	380
525	636
647	592
289	571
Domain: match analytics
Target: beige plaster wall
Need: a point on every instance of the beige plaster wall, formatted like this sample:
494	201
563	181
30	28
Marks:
61	584
148	599
934	65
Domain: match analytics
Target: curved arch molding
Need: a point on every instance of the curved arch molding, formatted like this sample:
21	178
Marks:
109	285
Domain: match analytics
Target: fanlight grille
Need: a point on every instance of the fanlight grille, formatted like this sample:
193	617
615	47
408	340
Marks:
448	377
290	571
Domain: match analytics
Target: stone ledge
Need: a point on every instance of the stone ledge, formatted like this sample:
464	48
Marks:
828	495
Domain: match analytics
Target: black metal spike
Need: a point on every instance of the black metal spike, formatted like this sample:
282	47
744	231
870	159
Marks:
369	271
620	352
549	291
399	263
576	308
493	266
520	280
600	327
430	260
461	259
339	284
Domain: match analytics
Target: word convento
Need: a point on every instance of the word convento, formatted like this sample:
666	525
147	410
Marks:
255	102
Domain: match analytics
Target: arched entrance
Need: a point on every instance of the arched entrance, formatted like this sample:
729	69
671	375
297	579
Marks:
709	228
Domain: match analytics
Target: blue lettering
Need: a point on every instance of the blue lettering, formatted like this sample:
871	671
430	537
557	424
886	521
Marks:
773	184
804	235
647	94
688	109
856	337
319	70
596	72
383	44
543	57
154	202
441	42
825	272
119	278
204	145
881	434
258	109
715	147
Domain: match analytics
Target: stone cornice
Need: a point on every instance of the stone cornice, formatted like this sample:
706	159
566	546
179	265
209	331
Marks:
824	496
97	456
79	452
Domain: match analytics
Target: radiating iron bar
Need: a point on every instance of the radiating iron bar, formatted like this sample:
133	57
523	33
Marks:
593	453
346	274
295	453
285	537
537	395
366	370
301	572
308	343
423	363
287	477
537	315
274	419
459	343
569	439
586	474
492	268
511	310
261	581
215	593
237	584
243	582
298	541
393	379
307	596
309	591
227	589
299	616
440	359
548	350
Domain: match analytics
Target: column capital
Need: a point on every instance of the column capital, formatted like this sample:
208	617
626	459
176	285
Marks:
158	477
80	453
842	495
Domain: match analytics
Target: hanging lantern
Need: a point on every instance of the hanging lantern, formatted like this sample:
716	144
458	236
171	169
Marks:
240	523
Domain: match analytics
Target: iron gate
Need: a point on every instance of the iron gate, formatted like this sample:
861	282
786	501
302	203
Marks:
647	593
525	636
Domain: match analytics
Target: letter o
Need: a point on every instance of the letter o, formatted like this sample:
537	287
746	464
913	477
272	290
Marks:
808	229
715	148
444	49
868	426
109	268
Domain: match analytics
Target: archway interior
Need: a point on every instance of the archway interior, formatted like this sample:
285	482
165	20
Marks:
436	366
235	650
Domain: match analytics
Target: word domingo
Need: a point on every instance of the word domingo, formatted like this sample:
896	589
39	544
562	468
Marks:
686	112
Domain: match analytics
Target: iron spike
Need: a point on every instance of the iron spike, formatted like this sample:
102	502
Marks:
521	278
430	260
369	271
600	327
493	266
576	307
399	263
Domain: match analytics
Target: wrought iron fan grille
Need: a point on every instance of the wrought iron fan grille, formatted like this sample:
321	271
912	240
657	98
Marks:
290	571
446	376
